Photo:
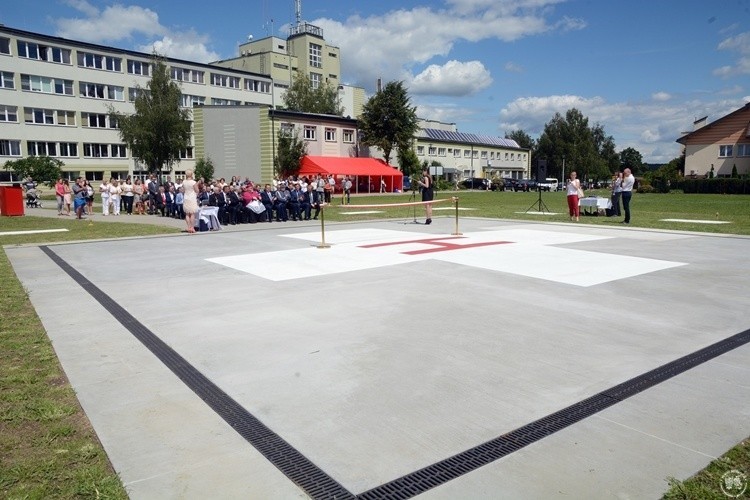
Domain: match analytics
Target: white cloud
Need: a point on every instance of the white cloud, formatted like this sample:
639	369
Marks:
650	127
661	96
740	44
454	78
394	45
123	22
189	46
512	67
116	22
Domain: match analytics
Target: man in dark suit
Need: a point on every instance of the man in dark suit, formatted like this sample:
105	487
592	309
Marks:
234	205
282	198
216	199
295	200
268	199
310	200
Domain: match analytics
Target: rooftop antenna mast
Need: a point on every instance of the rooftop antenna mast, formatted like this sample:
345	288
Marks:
298	11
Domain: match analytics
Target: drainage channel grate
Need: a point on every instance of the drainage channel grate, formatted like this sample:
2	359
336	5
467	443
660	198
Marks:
446	470
284	456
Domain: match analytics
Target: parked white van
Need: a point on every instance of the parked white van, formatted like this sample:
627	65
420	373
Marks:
549	184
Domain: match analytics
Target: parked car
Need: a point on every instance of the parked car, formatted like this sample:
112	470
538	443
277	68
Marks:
525	185
509	184
549	184
479	183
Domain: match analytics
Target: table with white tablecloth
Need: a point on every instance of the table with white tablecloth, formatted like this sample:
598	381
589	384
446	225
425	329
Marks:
209	215
594	204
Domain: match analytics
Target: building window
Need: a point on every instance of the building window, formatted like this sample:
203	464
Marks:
467	153
725	151
189	101
492	155
316	55
101	91
134	92
230	82
286	130
95	150
98	120
420	150
98	61
310	133
484	155
46	85
224	102
441	152
187	75
431	151
95	176
6	80
10	148
39	116
5	46
475	154
257	86
347	135
280	66
138	68
330	134
66	118
30	50
41	148
119	151
61	56
69	149
186	154
315	79
457	153
8	113
743	149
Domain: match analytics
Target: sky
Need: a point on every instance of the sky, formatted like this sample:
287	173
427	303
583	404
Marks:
643	69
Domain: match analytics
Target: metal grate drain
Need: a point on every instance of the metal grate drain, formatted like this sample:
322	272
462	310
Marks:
318	484
285	457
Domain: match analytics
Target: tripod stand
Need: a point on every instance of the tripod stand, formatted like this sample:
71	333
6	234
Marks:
539	205
413	198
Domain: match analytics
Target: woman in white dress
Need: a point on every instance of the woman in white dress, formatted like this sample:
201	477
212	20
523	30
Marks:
190	202
114	195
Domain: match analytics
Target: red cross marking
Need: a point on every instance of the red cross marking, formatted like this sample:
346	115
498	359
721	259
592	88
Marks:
439	245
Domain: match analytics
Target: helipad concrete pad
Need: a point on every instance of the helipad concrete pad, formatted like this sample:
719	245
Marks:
401	346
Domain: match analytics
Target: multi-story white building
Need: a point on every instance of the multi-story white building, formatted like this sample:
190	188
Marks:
304	52
470	155
55	93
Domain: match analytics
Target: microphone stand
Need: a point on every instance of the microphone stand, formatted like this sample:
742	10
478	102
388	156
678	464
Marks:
413	198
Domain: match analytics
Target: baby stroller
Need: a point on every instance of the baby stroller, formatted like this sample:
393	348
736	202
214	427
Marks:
33	200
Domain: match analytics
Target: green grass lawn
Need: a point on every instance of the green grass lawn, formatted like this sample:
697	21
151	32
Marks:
48	448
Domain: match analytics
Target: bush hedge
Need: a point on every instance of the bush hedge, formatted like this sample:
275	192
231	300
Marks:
714	186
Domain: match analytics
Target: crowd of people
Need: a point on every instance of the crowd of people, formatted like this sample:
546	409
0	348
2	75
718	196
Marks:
238	201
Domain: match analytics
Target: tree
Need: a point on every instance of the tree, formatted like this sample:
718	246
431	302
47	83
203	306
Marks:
204	169
40	168
289	153
408	162
522	139
302	97
632	159
160	129
388	120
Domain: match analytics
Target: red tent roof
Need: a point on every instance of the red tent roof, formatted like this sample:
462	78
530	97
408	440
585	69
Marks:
347	166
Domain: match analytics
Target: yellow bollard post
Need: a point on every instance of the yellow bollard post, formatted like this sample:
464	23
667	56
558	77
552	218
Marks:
457	232
323	227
